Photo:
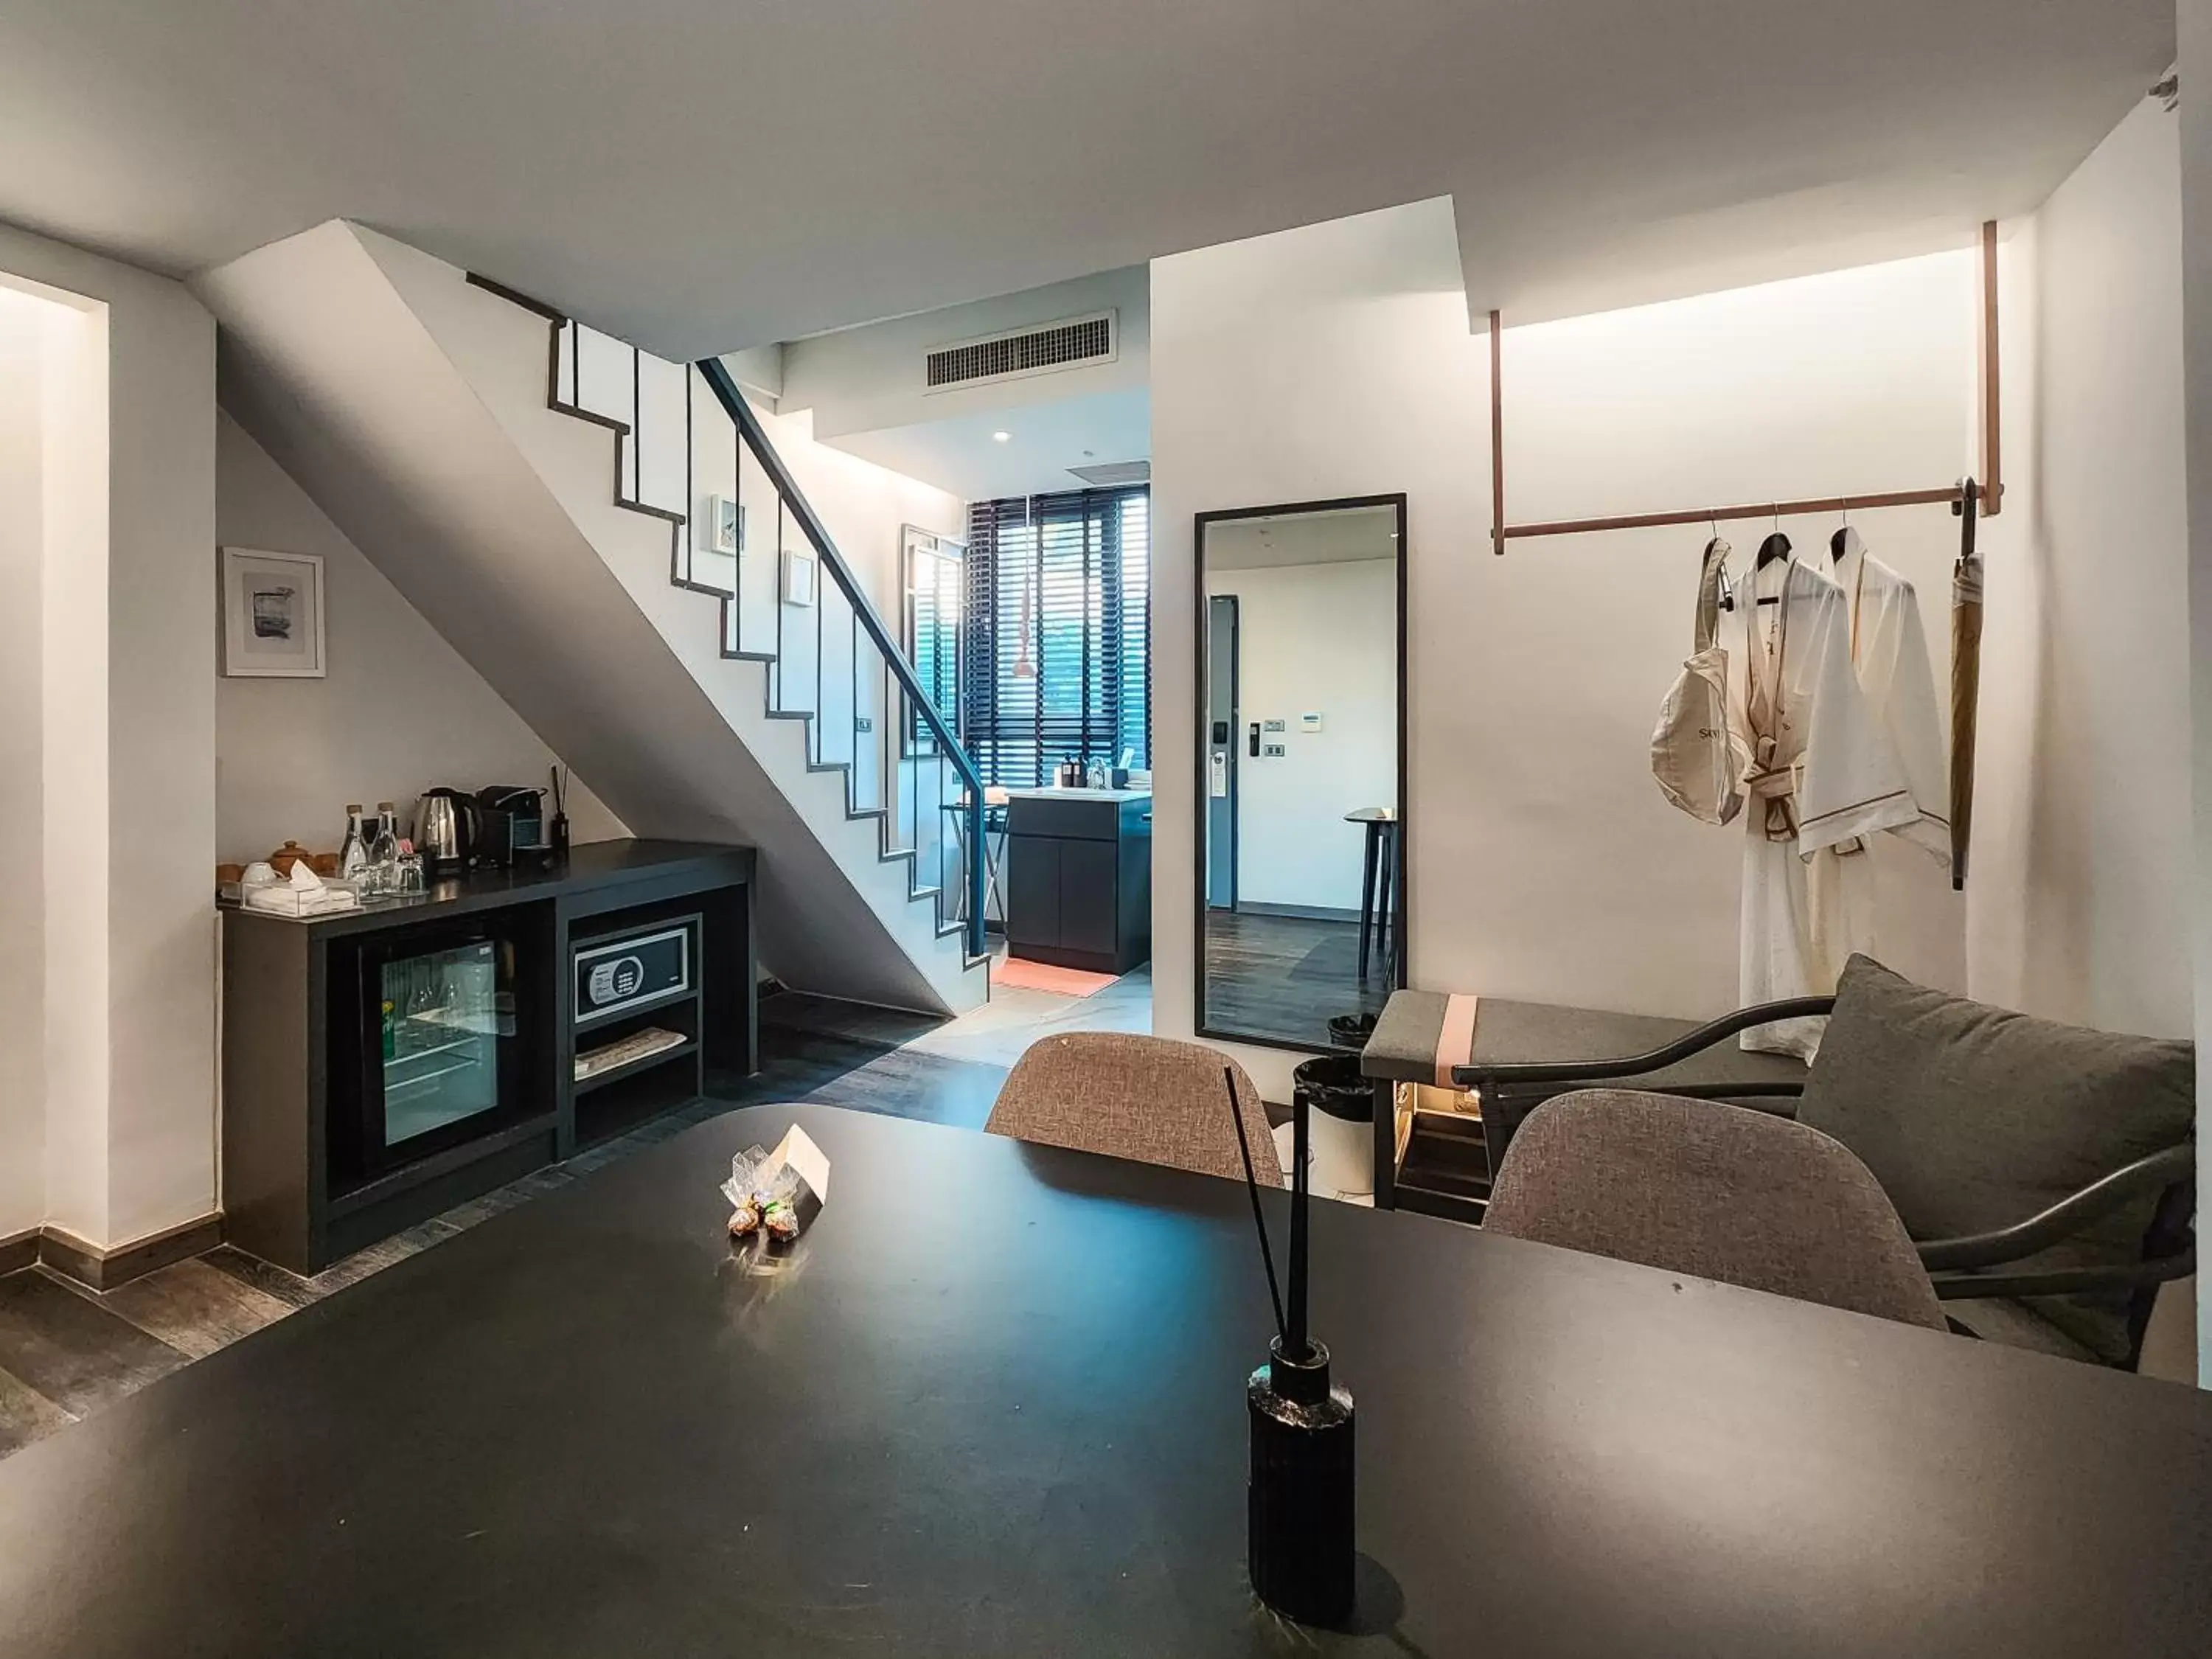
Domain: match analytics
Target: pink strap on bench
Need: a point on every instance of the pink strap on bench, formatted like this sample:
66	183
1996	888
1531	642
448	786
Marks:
1455	1039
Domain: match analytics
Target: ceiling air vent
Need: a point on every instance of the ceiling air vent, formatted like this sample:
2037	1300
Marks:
1071	344
1114	475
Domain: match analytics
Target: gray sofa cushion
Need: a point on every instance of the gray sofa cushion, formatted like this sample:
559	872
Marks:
1974	1118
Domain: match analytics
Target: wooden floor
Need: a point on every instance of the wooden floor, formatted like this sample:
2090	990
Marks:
1286	976
66	1352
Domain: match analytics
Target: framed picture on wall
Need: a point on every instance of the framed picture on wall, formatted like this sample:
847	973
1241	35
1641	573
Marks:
272	615
801	572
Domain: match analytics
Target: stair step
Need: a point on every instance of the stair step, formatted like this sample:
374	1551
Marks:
596	419
728	598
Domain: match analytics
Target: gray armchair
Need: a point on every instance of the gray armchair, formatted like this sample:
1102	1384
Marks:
2046	1173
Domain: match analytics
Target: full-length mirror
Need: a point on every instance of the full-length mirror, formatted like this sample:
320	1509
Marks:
1301	848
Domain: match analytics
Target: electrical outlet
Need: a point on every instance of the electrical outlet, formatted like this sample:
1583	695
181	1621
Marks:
1273	751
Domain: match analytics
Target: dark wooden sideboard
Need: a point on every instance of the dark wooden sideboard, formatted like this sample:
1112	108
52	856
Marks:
317	1159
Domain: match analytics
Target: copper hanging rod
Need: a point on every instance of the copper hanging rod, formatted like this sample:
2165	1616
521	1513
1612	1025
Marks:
1949	496
1989	496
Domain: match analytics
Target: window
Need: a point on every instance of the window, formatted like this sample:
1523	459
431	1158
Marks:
1060	663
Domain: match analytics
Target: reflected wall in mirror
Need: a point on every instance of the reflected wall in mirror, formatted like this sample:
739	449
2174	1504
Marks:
1301	646
935	576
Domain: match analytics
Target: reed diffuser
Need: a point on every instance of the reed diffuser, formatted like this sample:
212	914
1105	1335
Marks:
1300	1541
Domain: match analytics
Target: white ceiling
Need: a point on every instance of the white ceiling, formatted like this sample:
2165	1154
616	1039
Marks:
961	454
1332	536
701	175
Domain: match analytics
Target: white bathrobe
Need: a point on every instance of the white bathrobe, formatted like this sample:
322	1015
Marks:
1898	678
1823	775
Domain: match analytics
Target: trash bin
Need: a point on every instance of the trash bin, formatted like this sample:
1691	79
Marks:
1350	1031
1340	1124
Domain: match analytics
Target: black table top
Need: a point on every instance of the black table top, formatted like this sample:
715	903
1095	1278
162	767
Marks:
992	1405
596	863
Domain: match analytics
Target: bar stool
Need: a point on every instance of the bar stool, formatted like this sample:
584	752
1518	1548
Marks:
1378	875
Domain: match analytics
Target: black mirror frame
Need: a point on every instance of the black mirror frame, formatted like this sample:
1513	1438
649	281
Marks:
1400	909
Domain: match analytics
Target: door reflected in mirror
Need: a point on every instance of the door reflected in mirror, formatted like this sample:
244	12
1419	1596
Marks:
1301	848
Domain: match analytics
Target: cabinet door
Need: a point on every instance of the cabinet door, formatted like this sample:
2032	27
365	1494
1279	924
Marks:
1087	906
1033	890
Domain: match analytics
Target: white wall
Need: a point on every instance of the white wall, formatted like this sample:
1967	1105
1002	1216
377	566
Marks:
1313	638
2085	830
399	711
128	818
22	867
1336	360
2195	19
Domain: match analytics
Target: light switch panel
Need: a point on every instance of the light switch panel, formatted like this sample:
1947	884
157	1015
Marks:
1274	725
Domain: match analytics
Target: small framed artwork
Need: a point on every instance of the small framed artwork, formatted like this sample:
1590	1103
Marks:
801	573
272	615
722	530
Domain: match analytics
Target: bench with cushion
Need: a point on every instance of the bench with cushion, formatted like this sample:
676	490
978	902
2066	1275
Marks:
1441	1162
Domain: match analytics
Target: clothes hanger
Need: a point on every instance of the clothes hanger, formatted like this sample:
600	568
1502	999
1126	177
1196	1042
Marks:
1728	587
1836	541
1776	546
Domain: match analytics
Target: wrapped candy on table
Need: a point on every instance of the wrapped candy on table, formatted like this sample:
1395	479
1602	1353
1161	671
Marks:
770	1193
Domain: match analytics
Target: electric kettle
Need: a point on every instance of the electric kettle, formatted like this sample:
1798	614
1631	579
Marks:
446	829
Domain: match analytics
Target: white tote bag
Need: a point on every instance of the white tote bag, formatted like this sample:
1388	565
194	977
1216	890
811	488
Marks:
1698	761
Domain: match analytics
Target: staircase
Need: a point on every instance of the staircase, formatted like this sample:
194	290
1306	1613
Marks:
692	639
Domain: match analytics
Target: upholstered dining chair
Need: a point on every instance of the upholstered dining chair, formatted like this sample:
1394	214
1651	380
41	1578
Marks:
1143	1097
1712	1190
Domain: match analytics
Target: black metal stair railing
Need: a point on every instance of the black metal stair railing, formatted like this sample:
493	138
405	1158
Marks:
687	438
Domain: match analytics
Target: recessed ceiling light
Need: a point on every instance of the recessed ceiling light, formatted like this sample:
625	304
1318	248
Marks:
1002	437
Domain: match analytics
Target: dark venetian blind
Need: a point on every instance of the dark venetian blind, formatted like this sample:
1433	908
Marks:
1058	585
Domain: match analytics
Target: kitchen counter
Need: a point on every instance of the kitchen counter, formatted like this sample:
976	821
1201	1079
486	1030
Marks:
1079	877
1054	792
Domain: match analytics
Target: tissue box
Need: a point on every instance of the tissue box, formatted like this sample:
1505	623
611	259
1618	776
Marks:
278	899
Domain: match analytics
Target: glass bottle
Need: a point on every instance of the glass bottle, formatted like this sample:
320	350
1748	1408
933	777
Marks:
354	855
384	845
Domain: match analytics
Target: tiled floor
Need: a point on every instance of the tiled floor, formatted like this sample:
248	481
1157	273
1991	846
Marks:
66	1352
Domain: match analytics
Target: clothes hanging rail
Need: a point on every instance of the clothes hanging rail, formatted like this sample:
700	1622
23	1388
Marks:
1989	493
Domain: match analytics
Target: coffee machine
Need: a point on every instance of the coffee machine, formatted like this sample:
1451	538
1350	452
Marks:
511	826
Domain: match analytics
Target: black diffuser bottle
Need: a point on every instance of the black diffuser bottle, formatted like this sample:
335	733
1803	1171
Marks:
1300	1501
